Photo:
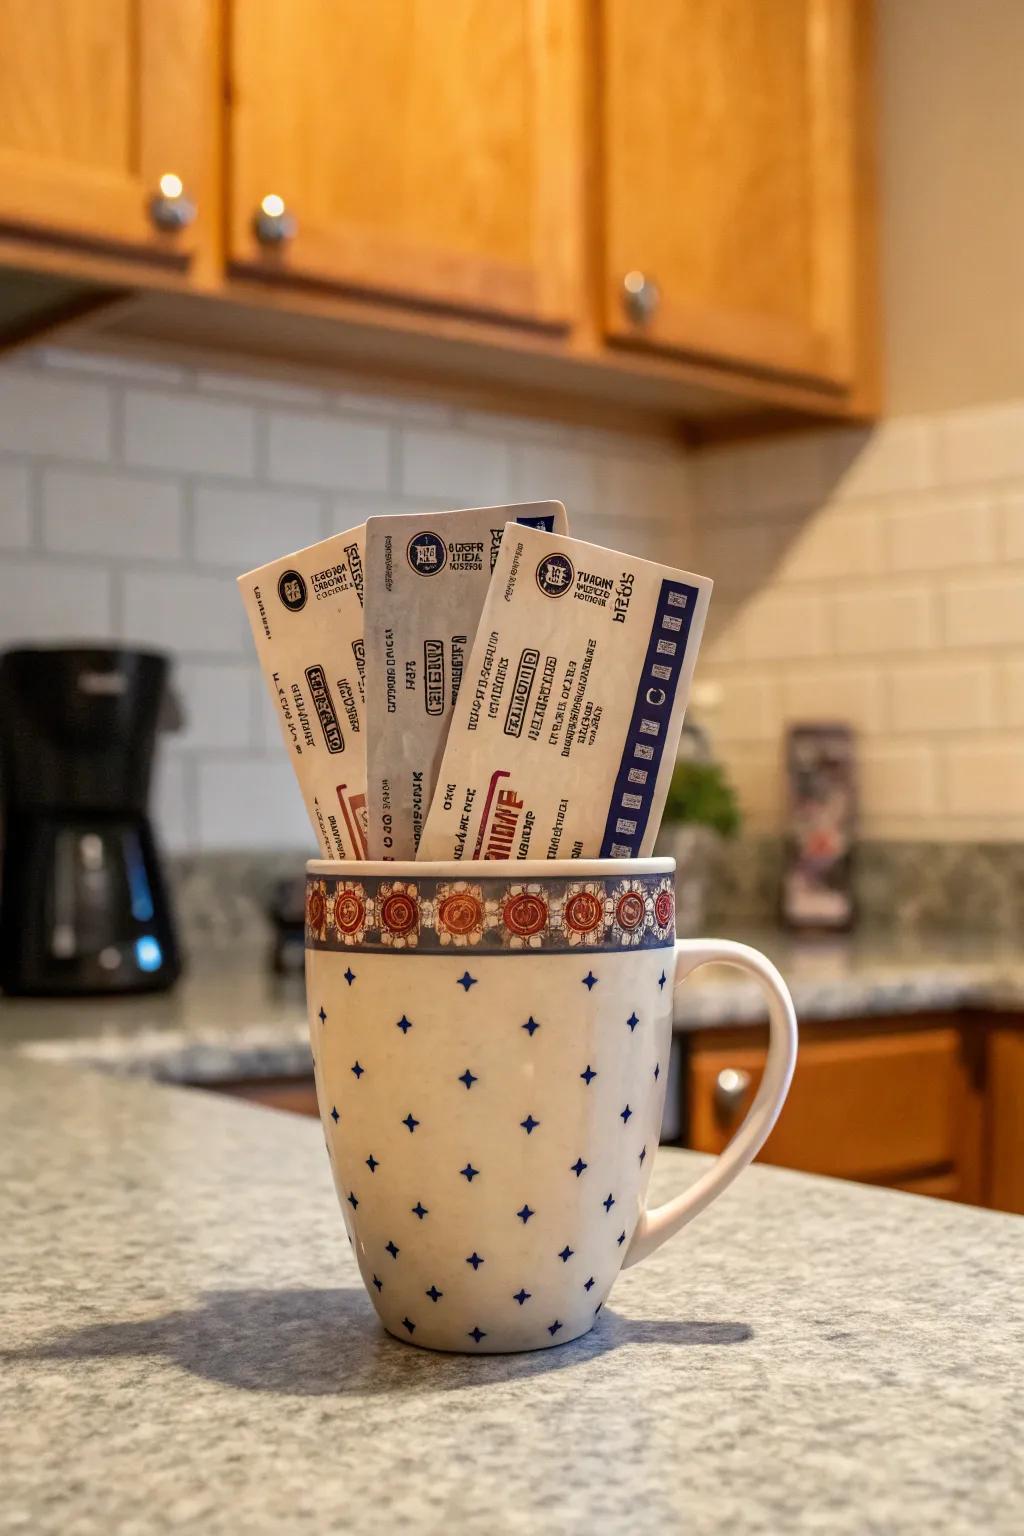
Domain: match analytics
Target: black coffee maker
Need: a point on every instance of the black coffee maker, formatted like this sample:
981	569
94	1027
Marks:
83	905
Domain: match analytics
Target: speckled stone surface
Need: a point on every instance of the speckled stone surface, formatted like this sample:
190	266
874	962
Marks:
186	1347
871	972
230	1018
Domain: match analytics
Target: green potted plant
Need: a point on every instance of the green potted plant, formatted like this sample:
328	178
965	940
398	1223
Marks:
701	808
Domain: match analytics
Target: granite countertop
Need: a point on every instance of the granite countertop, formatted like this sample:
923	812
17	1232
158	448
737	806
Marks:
230	1018
871	972
187	1347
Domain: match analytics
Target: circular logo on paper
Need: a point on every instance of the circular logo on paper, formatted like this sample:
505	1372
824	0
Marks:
664	908
460	913
291	589
582	912
629	911
427	553
555	575
349	912
399	913
524	915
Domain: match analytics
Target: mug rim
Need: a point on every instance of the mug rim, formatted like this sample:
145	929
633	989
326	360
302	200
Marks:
497	869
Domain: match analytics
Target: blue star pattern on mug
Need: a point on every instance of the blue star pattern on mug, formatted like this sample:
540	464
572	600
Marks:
490	1120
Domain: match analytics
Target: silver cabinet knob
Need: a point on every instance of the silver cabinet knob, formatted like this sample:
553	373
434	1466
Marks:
640	297
272	223
731	1085
169	208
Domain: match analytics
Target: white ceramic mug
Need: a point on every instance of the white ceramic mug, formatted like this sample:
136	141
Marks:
490	1045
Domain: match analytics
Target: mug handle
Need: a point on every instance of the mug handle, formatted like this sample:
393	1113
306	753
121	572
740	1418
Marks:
655	1227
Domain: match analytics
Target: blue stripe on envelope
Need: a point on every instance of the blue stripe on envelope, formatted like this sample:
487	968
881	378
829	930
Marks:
633	796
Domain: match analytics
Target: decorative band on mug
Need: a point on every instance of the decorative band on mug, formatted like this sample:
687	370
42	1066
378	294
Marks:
434	916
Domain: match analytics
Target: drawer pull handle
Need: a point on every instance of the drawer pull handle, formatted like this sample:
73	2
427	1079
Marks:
640	297
272	223
731	1085
170	208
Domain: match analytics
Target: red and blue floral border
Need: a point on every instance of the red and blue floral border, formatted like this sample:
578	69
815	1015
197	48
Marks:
482	913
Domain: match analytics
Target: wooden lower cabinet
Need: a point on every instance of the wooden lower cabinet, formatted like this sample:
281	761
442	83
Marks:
889	1101
295	1094
1005	1119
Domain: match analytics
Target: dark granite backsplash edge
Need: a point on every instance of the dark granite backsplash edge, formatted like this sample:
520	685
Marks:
951	885
222	898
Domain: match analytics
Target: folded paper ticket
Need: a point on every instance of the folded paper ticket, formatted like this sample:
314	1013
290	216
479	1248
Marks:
565	733
306	614
426	580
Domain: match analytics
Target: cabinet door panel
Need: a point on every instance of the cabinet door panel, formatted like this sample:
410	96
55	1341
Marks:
297	1095
729	179
1006	1110
875	1107
426	152
98	99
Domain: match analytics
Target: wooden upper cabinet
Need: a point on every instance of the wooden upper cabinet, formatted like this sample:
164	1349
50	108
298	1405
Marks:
730	160
98	100
426	152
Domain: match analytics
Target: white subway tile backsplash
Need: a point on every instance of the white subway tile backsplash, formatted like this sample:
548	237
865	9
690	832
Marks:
112	516
983	445
783	475
137	370
248	802
940	696
870	576
936	538
404	408
183	612
188	434
756	775
784	625
830	545
1012	694
15	511
240	527
641	486
893	457
328	451
896	781
748	709
723	634
718	483
216	701
670	543
549	472
987	611
42	601
457	468
883	622
985	775
1011	525
854	697
62	418
261	389
922	641
737	556
172	801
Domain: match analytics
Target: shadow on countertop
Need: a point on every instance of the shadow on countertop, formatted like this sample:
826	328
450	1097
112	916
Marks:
325	1343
